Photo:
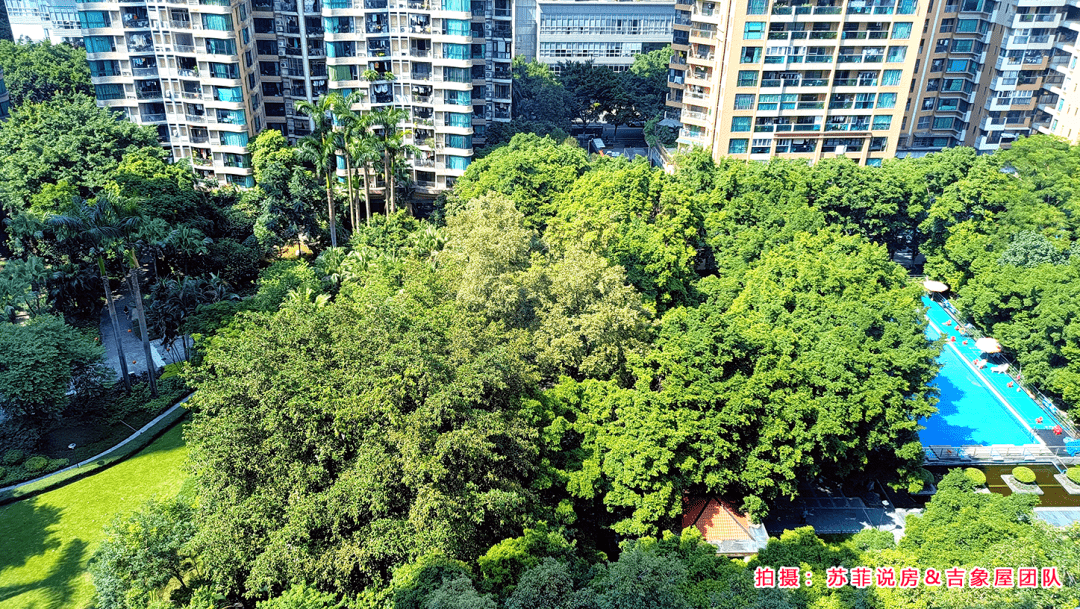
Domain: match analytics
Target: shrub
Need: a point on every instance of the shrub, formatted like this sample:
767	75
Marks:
1024	475
3	472
36	464
977	477
55	464
13	457
1073	473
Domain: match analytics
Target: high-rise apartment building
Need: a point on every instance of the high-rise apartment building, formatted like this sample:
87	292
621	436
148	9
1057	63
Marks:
211	74
756	78
607	32
871	79
39	20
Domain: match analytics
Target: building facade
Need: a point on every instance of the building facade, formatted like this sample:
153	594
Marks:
5	103
38	20
888	78
211	74
606	32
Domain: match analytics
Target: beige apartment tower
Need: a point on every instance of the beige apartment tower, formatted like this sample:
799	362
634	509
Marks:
759	78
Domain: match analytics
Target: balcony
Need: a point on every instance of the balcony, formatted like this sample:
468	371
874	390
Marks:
179	24
148	94
139	22
142	72
195	118
198	139
152	118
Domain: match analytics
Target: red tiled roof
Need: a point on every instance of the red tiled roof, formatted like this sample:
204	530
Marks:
717	520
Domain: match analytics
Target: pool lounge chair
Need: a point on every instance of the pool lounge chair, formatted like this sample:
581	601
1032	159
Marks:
1002	368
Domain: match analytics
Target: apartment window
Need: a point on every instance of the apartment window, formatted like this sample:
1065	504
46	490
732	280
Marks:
944	122
947	25
215	46
958	65
748	78
750	55
924	123
740	124
890	78
221	23
882	122
109	91
264	26
967	25
864	101
873	162
933	84
942	45
901	31
738	146
896	54
753	30
928	103
744	101
224	70
267	47
886	100
99	44
937	65
455	119
92	19
269	68
768	102
964	46
756	7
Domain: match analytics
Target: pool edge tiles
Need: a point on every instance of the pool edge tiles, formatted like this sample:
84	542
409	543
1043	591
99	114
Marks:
971	411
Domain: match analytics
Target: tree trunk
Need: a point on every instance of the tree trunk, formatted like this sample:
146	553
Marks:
389	187
151	368
367	193
352	202
115	325
330	206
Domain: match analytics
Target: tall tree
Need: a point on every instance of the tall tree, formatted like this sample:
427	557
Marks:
354	129
37	71
96	228
319	149
392	143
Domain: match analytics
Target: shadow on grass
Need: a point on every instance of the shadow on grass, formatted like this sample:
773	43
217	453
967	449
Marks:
24	528
58	585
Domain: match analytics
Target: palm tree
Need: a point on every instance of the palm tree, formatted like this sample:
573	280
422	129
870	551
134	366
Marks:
151	369
361	149
392	143
318	148
96	227
352	125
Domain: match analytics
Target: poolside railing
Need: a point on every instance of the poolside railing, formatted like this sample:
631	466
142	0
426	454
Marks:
1044	403
998	453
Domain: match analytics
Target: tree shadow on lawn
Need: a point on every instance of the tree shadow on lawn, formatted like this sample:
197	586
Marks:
24	527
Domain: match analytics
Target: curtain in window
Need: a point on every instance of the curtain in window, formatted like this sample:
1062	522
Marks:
221	23
886	100
230	94
99	44
455	119
457	27
109	91
459	141
224	70
89	19
232	117
104	68
455	51
459	98
457	75
890	78
967	25
340	49
882	122
341	72
457	162
215	46
455	5
901	31
234	139
740	123
943	123
744	102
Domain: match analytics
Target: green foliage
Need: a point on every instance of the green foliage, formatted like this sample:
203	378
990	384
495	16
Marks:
504	563
657	134
69	139
13	457
538	95
414	582
1023	475
142	552
1073	473
458	593
38	71
300	596
1030	249
977	477
36	464
42	359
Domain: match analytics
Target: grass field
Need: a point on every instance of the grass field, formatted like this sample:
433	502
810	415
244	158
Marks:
47	540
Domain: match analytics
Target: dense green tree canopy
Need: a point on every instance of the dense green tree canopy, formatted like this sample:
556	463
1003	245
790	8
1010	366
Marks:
37	71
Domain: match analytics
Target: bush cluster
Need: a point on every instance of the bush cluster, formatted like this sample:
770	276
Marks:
36	463
1073	474
1023	475
13	457
977	477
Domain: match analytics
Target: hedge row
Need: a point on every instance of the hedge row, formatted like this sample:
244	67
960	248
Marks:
36	487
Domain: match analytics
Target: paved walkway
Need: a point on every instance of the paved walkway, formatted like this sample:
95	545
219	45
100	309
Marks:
129	340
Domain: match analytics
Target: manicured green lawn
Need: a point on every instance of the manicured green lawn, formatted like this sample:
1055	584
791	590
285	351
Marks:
46	541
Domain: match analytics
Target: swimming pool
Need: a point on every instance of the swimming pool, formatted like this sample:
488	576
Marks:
972	405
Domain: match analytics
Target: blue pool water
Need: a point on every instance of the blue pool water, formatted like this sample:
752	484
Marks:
968	411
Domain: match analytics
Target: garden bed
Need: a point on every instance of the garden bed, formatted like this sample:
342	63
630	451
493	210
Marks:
1070	487
1019	487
